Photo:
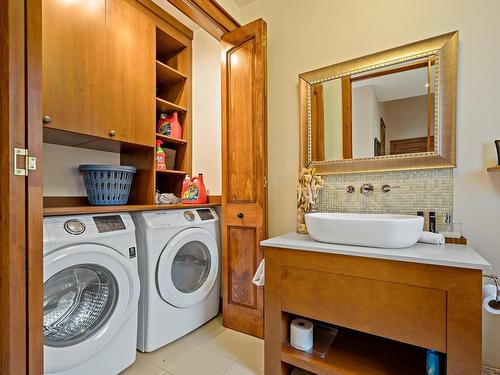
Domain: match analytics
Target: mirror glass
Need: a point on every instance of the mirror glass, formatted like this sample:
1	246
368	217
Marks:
379	112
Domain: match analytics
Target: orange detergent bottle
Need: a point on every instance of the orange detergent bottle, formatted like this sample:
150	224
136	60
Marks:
175	126
202	191
193	190
160	156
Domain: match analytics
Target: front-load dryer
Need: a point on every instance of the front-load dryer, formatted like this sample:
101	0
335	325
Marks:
179	272
91	293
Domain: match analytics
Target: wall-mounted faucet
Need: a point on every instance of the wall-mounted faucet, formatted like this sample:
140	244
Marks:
366	189
385	188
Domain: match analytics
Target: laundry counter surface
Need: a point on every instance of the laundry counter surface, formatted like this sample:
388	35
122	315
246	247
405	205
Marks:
444	255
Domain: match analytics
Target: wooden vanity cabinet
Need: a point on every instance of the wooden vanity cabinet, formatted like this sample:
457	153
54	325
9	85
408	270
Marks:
401	307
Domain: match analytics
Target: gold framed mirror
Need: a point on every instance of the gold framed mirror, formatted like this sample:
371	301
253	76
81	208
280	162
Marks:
392	110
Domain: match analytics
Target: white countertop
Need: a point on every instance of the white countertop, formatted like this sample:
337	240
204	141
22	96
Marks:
445	255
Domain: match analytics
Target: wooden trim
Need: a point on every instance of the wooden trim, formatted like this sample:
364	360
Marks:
160	12
13	308
34	219
347	117
318	123
399	69
215	199
208	14
429	146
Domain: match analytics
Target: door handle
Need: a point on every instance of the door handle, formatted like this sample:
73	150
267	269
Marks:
240	215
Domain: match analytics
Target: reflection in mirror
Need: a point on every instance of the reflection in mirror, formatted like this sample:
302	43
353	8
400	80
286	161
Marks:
387	111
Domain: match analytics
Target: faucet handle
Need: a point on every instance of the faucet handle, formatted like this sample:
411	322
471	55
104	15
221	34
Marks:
366	189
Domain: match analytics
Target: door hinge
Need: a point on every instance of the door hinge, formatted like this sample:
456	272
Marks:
265	181
29	162
264	42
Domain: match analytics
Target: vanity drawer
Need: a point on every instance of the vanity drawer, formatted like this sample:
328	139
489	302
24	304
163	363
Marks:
407	313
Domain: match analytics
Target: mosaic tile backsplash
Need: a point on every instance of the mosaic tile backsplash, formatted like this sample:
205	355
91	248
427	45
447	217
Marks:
412	191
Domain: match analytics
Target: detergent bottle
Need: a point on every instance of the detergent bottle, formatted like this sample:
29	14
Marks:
175	126
189	191
160	156
202	191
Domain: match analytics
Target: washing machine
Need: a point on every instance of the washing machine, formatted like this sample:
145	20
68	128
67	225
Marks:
179	271
91	292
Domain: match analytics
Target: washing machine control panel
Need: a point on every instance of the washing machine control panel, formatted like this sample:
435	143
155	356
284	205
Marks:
74	226
189	215
109	223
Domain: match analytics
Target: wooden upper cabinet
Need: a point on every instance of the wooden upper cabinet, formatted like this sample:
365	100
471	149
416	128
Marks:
73	65
130	73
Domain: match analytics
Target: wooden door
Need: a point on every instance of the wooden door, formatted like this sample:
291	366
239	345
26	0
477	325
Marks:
244	166
130	73
74	65
21	270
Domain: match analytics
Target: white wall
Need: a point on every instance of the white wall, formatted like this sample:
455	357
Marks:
365	117
407	118
207	110
306	35
60	168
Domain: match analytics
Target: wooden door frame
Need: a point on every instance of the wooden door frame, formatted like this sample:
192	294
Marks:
208	14
21	260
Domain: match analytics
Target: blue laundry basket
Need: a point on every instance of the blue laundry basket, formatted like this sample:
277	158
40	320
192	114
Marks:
107	185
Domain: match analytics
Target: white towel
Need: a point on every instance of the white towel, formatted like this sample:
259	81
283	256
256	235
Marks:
166	198
258	278
432	238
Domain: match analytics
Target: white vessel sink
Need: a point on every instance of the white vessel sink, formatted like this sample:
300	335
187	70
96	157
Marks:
374	230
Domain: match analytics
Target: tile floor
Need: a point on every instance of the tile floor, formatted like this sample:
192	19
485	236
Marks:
210	350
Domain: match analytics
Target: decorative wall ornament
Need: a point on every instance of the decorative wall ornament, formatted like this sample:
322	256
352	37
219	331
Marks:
308	187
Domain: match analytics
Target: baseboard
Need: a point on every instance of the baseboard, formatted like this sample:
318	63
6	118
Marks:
490	371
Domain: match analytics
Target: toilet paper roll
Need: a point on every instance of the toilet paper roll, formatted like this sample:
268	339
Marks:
301	334
491	305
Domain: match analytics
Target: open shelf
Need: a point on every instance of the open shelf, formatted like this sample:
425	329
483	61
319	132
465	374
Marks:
354	353
167	74
172	171
494	169
167	107
167	47
171	141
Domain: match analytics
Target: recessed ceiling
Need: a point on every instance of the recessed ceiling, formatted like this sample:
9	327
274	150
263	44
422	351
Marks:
243	2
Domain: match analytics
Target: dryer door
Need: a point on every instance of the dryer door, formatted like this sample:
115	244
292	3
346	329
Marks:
89	293
188	267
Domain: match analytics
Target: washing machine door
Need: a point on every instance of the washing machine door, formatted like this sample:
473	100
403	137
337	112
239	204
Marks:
188	267
90	291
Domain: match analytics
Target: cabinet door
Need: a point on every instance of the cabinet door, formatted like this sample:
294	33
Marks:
73	43
130	67
244	166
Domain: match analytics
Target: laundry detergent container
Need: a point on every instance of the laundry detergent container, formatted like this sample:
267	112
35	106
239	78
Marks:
107	184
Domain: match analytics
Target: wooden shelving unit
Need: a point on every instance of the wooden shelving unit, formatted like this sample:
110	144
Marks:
166	74
494	169
173	72
166	106
172	171
169	65
171	141
356	353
